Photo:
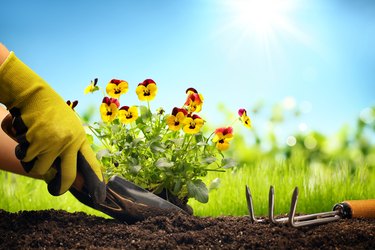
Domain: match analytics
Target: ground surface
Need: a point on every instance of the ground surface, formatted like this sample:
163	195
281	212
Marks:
58	229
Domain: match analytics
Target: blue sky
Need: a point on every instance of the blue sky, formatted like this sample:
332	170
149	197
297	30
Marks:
237	53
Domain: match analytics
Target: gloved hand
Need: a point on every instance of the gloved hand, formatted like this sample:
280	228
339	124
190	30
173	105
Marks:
48	131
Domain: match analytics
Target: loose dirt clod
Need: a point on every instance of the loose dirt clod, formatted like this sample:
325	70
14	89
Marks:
60	229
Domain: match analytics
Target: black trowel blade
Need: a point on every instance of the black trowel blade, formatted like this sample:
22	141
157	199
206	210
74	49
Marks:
136	194
128	202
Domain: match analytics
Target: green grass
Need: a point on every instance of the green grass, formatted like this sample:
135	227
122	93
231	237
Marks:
22	193
320	187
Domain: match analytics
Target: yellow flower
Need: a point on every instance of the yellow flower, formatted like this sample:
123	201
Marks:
128	114
109	109
146	90
192	124
194	101
244	118
92	87
115	88
176	119
222	138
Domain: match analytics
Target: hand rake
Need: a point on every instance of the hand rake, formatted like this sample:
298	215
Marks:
345	209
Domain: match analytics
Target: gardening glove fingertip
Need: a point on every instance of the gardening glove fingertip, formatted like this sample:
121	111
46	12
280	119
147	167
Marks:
53	178
65	174
90	168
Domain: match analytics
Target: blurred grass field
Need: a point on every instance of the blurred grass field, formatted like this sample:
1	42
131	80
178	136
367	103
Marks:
326	169
320	187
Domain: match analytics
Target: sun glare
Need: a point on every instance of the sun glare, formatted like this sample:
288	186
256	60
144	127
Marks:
261	26
261	16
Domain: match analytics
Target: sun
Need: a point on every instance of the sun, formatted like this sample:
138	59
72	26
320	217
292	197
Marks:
260	28
261	16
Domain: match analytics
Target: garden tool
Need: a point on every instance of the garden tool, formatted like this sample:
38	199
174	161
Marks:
127	202
124	200
344	210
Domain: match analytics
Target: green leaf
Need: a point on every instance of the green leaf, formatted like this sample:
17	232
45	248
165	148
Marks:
134	169
117	153
177	142
215	183
103	153
90	139
198	190
129	138
177	186
115	128
199	137
137	141
202	143
208	160
228	163
157	147
163	163
145	113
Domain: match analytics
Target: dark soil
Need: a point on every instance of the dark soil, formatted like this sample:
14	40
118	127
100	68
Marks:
59	229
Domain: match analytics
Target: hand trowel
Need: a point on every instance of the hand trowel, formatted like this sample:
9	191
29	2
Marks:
128	202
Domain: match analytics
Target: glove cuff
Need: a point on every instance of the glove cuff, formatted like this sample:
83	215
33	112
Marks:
17	82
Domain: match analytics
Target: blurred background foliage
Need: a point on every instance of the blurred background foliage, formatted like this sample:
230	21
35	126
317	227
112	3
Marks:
283	136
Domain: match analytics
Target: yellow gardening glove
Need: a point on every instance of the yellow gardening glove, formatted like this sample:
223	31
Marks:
48	131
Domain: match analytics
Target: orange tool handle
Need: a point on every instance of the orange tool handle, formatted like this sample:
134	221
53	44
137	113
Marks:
361	208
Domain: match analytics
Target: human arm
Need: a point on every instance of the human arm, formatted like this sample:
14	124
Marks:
4	52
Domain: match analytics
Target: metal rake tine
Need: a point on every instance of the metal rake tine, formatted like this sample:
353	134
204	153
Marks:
293	207
271	205
250	206
271	209
311	219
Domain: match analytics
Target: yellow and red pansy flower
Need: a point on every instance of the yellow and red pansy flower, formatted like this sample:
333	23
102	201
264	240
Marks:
128	114
245	119
92	87
194	100
222	137
116	87
176	119
192	124
109	109
146	90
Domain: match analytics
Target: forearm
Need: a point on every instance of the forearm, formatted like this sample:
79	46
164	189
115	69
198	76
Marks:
4	53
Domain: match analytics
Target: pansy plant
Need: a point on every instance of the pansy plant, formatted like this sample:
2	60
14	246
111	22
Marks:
160	151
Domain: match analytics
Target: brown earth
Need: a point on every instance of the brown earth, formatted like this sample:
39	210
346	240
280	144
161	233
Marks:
59	229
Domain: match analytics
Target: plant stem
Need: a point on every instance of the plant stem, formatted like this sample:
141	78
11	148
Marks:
214	170
208	138
97	136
